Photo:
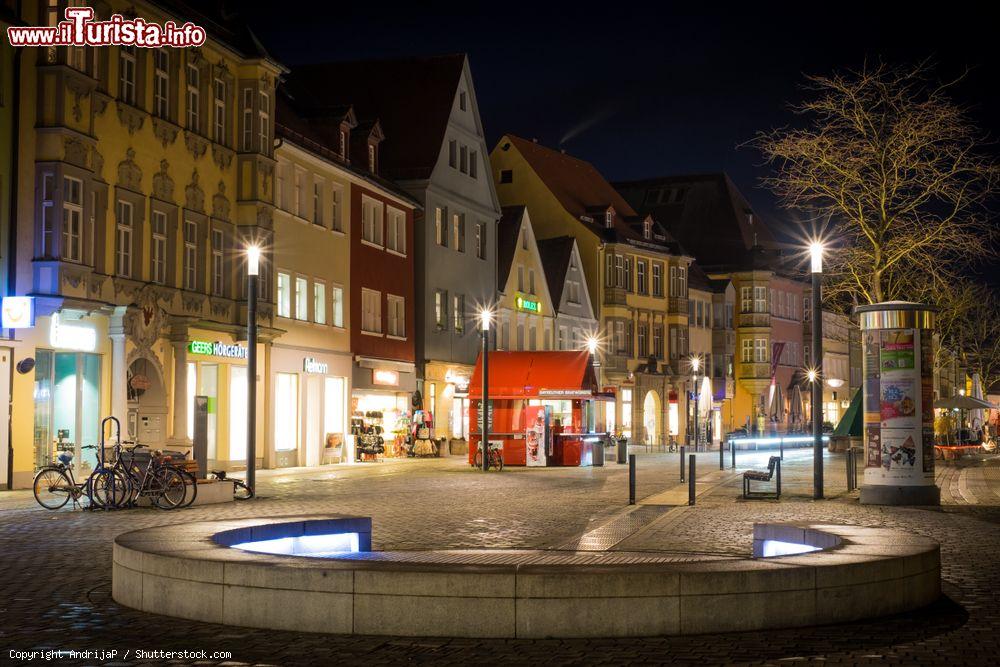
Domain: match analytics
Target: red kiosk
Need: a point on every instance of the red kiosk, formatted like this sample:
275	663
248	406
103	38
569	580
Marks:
544	409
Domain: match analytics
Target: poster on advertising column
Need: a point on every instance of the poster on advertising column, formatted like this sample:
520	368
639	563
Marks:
872	413
536	435
900	439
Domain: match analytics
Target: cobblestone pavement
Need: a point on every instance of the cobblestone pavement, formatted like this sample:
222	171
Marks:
55	567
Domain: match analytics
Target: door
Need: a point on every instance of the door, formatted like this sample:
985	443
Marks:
314	415
237	413
286	418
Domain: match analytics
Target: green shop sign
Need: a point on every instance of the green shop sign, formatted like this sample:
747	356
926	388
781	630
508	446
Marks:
217	349
525	303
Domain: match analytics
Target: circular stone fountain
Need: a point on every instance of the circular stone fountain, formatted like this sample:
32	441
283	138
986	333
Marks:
318	574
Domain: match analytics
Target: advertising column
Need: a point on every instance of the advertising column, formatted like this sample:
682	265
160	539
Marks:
898	404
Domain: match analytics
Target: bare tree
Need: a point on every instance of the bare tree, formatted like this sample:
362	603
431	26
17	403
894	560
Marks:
977	335
897	171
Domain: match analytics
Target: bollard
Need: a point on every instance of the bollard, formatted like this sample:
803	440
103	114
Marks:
691	459
622	450
778	471
722	455
683	449
781	448
732	453
631	479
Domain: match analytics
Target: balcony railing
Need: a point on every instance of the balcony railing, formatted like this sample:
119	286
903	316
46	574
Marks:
615	296
753	320
677	305
754	370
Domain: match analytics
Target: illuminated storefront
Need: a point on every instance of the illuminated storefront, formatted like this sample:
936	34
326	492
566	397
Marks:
381	396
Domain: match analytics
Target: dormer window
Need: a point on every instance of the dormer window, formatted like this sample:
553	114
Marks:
647	229
609	219
343	144
371	158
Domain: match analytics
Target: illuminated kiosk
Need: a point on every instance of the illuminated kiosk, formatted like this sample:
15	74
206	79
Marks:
897	340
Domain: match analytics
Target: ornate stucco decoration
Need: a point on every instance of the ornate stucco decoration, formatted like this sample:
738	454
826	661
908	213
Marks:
129	173
165	131
144	320
75	151
96	283
222	156
163	184
221	308
130	117
194	196
195	144
220	203
193	303
98	164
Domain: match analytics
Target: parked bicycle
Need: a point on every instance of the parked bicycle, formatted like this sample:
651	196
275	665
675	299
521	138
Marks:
241	491
55	484
146	475
495	460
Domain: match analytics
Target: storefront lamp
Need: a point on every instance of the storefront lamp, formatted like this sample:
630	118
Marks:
253	259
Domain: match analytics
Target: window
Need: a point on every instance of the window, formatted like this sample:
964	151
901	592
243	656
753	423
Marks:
506	176
620	337
371	221
747	350
193	98
480	240
524	238
318	202
159	249
123	240
462	101
628	274
441	309
397	316
573	295
746	299
297	192
657	280
218	280
219	113
647	229
759	299
396	231
343	144
453	154
279	185
458	312
441	226
520	337
301	299
561	336
682	280
658	341
72	231
640	277
48	219
264	117
458	231
126	74
520	278
190	254
338	306
247	119
673	281
335	200
161	83
505	335
643	351
319	303
609	219
760	350
463	159
619	271
284	295
474	164
531	281
371	311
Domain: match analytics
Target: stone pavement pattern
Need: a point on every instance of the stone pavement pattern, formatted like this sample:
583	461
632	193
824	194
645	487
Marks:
55	567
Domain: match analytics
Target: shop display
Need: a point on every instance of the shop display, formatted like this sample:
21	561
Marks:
367	429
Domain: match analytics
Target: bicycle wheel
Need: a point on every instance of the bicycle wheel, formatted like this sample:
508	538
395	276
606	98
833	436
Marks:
168	487
479	460
191	482
497	461
102	489
241	491
52	488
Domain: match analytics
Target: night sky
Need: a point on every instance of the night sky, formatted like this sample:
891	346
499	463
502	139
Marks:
654	90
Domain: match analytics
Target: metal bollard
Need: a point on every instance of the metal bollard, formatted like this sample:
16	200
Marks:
722	455
683	448
691	477
778	471
781	448
631	479
732	453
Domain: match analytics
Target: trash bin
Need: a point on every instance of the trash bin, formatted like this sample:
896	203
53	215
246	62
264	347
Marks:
622	450
599	452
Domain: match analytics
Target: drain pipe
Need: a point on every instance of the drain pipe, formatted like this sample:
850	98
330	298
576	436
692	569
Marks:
12	232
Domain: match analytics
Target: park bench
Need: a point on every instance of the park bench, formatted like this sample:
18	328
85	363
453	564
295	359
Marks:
773	472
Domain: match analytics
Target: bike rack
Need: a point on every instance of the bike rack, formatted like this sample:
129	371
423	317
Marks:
117	431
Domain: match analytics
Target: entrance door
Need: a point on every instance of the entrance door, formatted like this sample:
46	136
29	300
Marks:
147	404
651	417
6	354
237	413
313	432
286	418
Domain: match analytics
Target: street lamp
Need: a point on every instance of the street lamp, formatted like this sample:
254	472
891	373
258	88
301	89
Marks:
816	268
485	316
695	366
253	270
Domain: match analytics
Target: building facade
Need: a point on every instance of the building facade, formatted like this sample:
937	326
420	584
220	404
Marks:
525	316
575	322
635	275
142	177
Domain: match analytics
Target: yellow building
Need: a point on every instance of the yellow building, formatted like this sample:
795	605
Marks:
635	274
143	175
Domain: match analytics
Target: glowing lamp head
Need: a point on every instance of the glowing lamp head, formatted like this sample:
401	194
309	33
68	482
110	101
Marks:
253	260
811	374
816	256
485	316
592	344
695	363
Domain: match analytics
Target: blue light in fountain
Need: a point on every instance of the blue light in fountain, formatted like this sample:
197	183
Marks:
313	546
774	548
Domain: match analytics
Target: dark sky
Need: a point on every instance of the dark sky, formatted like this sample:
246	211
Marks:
648	90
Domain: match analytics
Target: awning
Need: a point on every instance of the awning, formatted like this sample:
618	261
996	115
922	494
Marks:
853	420
558	375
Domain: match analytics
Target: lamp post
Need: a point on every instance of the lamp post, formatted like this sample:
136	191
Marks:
816	266
695	366
484	410
253	270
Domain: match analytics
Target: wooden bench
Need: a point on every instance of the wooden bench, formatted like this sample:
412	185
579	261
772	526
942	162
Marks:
773	472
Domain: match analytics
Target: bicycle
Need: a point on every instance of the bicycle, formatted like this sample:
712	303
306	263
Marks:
496	458
241	491
161	483
55	484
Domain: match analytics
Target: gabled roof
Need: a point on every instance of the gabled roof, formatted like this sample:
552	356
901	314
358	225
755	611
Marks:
708	215
585	194
411	97
223	21
556	254
508	230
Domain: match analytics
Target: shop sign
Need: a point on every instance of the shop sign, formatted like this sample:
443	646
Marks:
461	381
310	365
82	337
217	349
583	393
18	312
139	382
528	304
385	377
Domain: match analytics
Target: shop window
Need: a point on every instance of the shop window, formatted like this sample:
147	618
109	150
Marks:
191	388
123	245
338	306
67	398
319	303
286	412
159	247
432	397
284	295
237	413
301	298
371	311
72	228
396	232
397	315
627	413
334	397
